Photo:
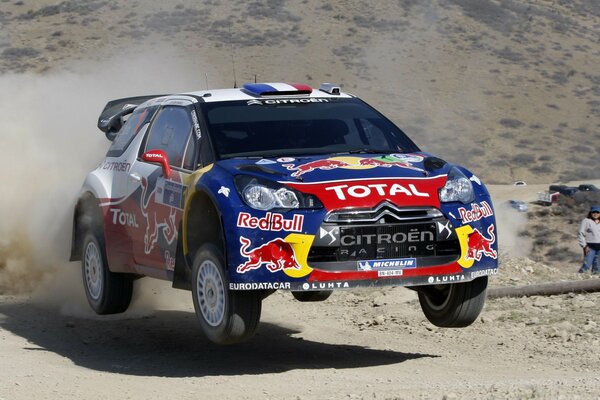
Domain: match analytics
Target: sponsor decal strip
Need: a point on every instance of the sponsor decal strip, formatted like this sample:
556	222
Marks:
386	278
271	222
120	217
477	212
260	286
400	263
117	166
319	275
369	193
484	272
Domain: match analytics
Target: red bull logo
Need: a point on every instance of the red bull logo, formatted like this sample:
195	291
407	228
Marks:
477	212
157	216
314	165
386	164
479	245
276	255
346	163
271	222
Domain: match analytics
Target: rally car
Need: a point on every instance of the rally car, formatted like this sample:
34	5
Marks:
236	193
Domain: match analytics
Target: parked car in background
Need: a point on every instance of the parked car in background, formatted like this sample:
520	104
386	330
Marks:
547	198
588	187
565	190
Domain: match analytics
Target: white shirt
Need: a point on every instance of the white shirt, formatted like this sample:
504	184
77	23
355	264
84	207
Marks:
589	232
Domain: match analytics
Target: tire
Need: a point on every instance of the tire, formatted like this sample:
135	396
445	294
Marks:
107	292
455	305
226	316
319	295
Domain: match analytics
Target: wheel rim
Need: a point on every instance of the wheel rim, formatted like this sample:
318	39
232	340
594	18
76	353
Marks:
210	293
93	270
439	297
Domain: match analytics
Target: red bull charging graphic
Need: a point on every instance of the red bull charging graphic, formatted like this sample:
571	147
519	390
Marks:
276	255
400	161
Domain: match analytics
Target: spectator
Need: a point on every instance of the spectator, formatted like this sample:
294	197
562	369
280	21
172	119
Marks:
589	239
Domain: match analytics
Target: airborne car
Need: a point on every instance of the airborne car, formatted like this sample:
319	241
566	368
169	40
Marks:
236	193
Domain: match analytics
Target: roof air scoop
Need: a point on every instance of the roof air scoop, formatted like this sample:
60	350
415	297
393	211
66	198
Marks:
330	88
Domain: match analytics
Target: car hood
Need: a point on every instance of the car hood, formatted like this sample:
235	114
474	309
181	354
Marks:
313	169
364	181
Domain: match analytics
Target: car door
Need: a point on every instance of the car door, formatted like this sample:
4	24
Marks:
162	189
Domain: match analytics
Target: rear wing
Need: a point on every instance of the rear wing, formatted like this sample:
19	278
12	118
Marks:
111	118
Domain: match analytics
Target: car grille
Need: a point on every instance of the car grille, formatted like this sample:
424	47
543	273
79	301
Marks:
384	233
384	213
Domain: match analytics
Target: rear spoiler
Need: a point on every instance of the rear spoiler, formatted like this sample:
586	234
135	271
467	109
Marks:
111	118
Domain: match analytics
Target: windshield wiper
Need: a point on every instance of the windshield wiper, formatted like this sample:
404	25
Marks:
371	151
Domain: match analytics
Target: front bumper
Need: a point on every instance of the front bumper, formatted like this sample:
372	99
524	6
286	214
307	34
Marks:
324	253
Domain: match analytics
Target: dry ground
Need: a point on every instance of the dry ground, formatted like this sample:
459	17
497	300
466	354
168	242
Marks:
510	88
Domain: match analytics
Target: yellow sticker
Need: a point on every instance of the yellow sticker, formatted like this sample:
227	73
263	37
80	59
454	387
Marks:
301	245
463	233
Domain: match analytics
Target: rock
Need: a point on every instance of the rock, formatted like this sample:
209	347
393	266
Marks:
566	325
379	320
379	301
542	302
587	304
563	335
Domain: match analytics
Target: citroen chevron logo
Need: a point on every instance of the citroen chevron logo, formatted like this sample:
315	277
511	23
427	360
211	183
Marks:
444	227
224	191
332	234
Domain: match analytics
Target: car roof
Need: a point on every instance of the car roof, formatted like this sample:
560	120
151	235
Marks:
254	93
271	90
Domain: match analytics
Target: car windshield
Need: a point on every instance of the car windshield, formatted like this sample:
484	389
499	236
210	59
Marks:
279	127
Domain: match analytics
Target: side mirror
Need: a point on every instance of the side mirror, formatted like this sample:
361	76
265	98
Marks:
158	156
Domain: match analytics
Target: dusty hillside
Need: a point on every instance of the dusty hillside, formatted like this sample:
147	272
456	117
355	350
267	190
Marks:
509	87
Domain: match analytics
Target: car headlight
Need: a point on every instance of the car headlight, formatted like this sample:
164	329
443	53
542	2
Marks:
266	195
457	188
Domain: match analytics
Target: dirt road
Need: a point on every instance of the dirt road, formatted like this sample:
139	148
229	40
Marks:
366	344
512	84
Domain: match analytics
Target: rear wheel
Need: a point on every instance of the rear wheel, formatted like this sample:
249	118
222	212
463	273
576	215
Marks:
107	292
319	295
453	305
226	316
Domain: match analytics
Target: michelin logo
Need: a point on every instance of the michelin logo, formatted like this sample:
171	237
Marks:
368	265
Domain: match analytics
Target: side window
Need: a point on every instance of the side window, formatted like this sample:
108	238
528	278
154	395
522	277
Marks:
171	132
134	123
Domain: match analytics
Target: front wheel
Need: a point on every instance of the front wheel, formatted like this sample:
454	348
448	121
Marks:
453	305
226	316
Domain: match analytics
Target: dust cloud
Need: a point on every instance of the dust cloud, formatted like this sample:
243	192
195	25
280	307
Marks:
510	224
48	143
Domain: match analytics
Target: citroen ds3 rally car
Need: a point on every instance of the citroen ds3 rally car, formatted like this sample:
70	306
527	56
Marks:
236	193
